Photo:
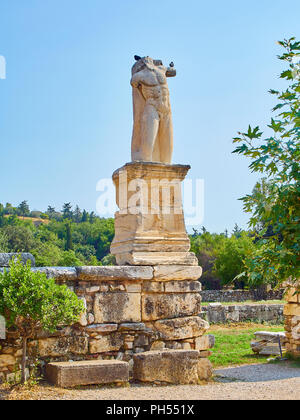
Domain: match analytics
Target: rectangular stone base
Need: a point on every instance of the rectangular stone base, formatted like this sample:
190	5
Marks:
150	227
69	374
157	258
172	366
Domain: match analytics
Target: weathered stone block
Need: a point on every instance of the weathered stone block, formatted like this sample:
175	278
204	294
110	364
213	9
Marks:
177	272
115	273
102	328
181	328
111	342
205	369
172	366
7	360
83	316
60	346
134	326
153	286
25	256
155	258
291	309
205	342
69	374
133	288
117	307
160	306
182	286
58	273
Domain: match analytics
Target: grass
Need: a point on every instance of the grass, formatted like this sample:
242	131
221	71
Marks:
232	345
246	302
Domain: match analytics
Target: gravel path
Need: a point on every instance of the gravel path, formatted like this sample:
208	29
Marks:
248	382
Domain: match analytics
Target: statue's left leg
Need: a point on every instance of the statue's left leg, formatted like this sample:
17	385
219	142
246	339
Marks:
165	138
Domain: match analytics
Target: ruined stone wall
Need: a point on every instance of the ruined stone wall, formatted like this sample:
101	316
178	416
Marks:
129	309
240	295
217	313
292	321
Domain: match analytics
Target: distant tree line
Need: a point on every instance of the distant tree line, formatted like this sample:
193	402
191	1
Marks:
57	238
75	237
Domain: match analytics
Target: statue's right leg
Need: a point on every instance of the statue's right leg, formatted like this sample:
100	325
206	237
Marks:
150	125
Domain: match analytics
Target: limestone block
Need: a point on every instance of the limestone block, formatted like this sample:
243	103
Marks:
59	273
205	342
158	345
60	346
182	286
102	328
134	326
69	374
7	360
157	258
133	288
292	295
291	309
161	306
205	353
296	332
295	320
117	307
153	286
181	328
147	232
93	289
25	256
114	273
205	369
111	342
83	316
177	272
91	318
267	342
172	366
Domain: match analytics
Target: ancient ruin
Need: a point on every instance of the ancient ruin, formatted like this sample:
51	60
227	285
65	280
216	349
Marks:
150	301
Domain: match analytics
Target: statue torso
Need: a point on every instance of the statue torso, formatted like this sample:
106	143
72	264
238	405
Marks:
154	87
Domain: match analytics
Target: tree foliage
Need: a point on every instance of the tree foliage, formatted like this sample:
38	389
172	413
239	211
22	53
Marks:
274	203
30	301
51	242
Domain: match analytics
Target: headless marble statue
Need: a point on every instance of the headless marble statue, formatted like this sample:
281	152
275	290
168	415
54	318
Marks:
152	138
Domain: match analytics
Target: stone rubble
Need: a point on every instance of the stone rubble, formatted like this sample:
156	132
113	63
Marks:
128	312
267	343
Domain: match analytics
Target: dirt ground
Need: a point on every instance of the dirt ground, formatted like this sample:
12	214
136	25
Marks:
249	382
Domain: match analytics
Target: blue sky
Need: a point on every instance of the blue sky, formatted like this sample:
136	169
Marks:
65	106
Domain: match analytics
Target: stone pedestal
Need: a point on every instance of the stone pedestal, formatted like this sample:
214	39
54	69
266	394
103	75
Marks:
149	226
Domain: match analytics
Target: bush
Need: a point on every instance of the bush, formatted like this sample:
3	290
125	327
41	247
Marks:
31	301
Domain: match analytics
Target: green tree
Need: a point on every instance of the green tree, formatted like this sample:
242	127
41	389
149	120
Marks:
230	259
9	209
29	301
3	242
85	216
77	216
237	231
69	259
24	208
67	211
69	242
277	157
47	254
51	212
109	260
19	238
